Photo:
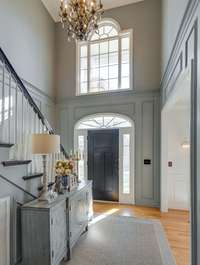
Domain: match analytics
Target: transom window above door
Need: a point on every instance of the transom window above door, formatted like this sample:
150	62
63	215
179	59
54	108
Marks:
100	121
105	61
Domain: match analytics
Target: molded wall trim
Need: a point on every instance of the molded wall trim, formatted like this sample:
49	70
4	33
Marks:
188	16
107	96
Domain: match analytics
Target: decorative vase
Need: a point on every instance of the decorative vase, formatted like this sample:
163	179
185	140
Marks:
66	182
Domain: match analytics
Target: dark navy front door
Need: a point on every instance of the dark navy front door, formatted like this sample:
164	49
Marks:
103	157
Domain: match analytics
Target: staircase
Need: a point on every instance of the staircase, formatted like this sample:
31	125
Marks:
20	171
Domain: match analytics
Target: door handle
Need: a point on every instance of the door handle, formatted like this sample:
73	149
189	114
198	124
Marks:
116	163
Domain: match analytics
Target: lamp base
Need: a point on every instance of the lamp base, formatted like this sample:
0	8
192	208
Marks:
44	196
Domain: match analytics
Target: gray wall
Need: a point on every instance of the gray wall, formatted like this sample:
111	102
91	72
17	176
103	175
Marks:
141	104
145	20
27	36
172	15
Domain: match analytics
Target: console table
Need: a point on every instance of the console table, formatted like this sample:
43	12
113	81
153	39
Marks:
50	230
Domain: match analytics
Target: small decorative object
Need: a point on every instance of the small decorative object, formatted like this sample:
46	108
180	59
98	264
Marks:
58	185
76	157
80	17
65	169
45	144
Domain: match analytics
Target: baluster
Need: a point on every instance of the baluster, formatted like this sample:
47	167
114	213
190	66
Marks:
35	160
27	133
9	109
38	161
6	106
2	101
27	123
1	91
50	168
35	131
16	113
23	134
32	131
19	125
13	112
53	168
41	127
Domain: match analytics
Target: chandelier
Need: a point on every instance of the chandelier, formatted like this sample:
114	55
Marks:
80	17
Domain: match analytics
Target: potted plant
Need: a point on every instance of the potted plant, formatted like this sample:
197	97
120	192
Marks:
64	169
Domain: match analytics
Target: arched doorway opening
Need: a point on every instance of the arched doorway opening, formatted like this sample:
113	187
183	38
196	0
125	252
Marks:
97	128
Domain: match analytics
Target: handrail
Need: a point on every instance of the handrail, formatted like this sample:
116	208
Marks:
28	96
18	187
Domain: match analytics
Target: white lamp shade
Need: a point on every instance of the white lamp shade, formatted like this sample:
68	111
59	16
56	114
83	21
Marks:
45	143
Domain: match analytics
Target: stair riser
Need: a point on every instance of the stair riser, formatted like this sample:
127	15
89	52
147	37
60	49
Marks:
6	190
15	174
4	154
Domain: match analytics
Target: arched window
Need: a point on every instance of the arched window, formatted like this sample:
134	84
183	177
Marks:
105	61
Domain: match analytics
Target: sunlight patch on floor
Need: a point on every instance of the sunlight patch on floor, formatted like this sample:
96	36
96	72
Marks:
103	216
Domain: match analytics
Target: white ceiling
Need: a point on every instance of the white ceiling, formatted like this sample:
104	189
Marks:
53	5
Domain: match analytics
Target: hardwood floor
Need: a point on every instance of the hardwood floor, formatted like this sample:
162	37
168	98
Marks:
175	223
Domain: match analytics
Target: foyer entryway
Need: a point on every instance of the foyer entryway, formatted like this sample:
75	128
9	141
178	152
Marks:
103	158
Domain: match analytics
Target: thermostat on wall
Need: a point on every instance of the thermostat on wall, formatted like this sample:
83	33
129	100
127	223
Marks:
147	161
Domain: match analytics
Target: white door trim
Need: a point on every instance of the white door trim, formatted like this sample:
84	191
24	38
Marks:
123	198
185	77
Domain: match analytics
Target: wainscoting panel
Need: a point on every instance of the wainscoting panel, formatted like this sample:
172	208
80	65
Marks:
5	231
147	150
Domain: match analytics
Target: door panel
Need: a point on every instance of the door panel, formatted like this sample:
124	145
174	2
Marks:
58	232
103	156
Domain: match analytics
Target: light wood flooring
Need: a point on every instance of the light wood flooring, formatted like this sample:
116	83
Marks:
176	225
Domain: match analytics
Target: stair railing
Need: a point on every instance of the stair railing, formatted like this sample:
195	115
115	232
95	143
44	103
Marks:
20	117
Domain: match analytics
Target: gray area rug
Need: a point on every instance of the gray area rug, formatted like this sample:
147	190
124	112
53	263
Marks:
123	241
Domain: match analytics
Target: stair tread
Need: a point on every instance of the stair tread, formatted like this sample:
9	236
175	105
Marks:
2	144
32	176
9	163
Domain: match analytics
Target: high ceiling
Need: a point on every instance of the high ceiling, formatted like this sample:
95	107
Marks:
53	5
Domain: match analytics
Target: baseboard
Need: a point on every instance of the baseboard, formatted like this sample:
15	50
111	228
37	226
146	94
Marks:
112	202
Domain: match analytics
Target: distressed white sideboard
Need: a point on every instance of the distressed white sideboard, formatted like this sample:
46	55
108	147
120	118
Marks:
50	230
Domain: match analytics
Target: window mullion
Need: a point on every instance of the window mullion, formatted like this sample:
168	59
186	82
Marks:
78	83
108	65
88	73
119	63
99	69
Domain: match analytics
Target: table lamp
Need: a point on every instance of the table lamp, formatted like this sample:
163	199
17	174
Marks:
45	144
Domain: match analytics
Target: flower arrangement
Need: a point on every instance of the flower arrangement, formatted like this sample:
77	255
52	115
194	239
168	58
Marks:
64	168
